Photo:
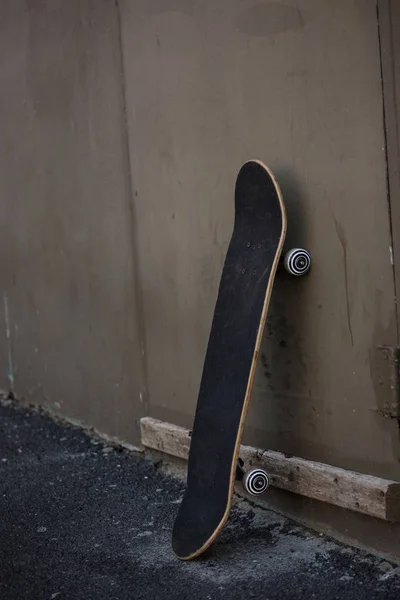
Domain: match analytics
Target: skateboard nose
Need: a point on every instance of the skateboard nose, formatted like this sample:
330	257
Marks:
199	520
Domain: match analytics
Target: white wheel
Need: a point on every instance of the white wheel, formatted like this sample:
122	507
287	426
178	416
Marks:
297	261
255	481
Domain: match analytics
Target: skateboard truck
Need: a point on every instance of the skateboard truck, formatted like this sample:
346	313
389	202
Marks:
296	261
255	481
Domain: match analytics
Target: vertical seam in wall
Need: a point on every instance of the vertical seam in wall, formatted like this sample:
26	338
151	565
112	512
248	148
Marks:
10	374
135	248
387	174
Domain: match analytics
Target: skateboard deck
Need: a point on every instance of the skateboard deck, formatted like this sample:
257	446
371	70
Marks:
240	312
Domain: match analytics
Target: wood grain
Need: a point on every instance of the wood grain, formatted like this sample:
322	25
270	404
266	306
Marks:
358	492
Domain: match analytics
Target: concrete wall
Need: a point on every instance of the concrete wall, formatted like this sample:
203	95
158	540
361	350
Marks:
67	238
97	271
209	85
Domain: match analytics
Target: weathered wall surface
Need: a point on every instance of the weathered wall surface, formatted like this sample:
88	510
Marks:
209	85
67	236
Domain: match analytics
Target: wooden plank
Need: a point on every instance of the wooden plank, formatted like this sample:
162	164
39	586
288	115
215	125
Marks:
358	492
165	437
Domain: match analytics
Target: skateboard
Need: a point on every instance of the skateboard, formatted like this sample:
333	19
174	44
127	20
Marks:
253	257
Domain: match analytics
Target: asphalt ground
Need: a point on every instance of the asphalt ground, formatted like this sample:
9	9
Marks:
85	520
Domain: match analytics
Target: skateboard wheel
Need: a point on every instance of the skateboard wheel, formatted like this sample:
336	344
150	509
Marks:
255	481
297	261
